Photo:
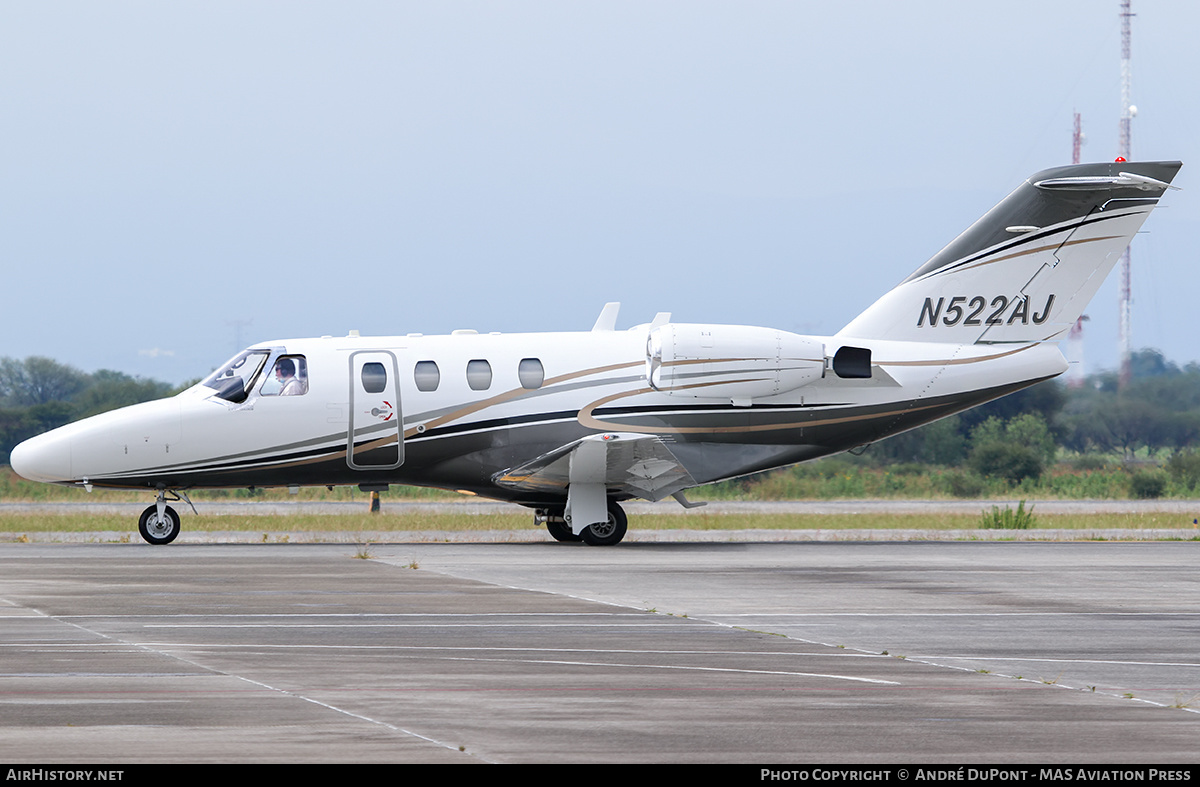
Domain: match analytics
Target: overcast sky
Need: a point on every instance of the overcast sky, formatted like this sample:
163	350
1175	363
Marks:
182	178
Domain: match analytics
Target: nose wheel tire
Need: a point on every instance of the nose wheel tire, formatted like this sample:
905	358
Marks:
156	529
606	534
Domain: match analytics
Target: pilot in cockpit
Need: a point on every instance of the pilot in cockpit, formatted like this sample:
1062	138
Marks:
285	373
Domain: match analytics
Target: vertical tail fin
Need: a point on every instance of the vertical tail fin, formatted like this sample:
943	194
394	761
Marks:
1026	270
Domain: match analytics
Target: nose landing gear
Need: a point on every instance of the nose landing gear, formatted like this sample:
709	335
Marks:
159	527
159	524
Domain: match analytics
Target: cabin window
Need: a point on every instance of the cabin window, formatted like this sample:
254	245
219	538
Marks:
374	377
479	375
427	376
531	373
288	378
233	381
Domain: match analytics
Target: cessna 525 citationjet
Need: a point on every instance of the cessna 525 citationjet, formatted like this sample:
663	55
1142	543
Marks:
571	424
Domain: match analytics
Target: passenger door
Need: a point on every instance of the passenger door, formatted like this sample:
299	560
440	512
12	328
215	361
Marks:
375	438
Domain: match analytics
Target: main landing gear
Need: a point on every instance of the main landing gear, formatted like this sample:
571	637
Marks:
159	524
600	534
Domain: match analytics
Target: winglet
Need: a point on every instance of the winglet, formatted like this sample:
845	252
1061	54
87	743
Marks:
607	321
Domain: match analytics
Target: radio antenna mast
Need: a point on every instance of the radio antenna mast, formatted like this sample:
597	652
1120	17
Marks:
1128	110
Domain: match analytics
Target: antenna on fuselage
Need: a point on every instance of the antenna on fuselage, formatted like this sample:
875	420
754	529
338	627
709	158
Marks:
607	321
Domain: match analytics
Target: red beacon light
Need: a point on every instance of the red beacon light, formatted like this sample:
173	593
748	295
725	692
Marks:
1120	159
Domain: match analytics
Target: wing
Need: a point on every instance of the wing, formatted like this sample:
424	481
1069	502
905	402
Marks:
638	465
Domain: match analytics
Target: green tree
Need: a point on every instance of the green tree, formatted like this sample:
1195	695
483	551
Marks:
1184	468
38	380
109	390
1014	450
38	394
1127	424
1045	399
1031	430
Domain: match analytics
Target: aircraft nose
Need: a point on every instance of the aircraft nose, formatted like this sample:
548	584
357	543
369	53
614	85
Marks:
45	458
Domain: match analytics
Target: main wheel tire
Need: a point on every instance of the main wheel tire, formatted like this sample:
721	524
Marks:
552	518
159	530
561	531
606	534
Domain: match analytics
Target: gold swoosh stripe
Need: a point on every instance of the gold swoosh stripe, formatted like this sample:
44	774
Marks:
586	418
483	404
958	361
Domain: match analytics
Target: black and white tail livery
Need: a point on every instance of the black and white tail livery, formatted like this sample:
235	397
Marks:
1026	270
571	424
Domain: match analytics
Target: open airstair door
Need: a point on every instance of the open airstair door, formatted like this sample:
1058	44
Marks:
375	437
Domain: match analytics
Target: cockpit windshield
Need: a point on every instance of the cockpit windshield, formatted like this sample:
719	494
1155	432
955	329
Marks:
233	381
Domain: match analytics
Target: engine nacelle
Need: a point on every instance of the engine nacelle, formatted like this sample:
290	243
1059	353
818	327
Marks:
732	362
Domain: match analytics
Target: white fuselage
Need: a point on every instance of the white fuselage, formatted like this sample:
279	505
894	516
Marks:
455	411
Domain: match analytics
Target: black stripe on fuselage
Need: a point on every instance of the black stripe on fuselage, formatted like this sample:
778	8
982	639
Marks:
571	415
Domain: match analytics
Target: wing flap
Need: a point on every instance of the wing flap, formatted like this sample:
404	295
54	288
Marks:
638	465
